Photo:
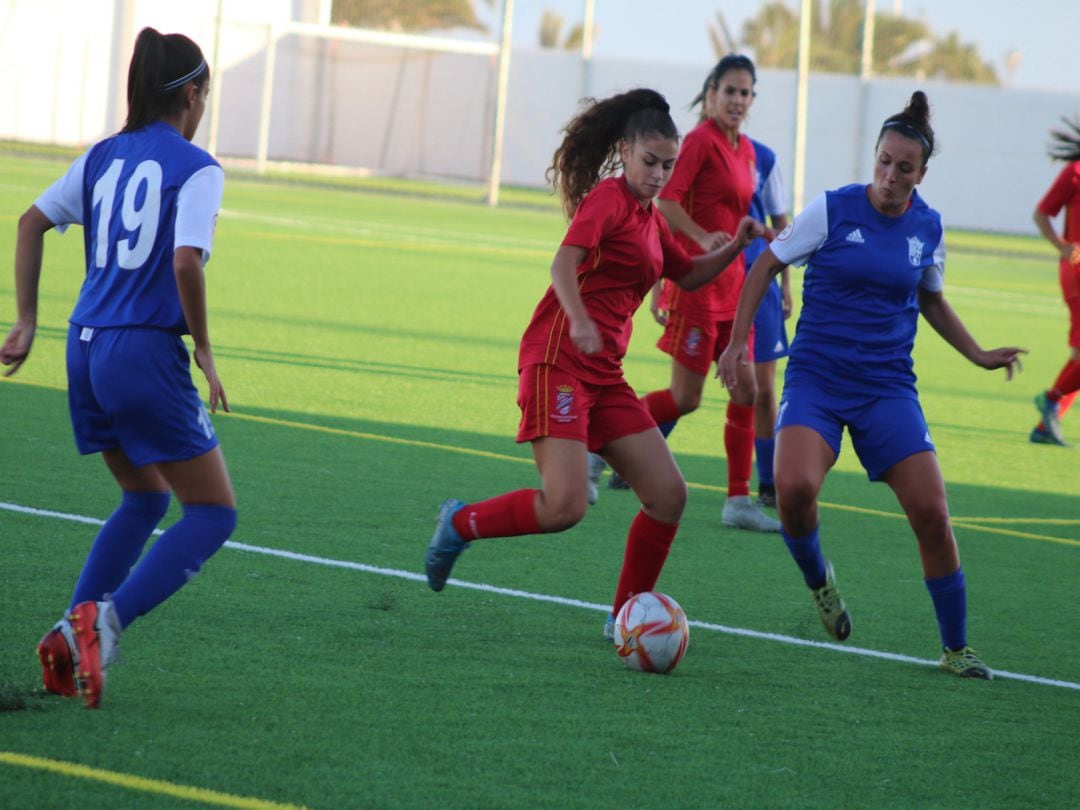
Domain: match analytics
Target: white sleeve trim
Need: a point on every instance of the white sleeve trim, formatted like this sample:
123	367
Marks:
62	202
773	197
933	277
804	235
197	207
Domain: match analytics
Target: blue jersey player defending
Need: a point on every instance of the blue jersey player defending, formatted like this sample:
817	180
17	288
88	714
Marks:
770	334
874	260
148	201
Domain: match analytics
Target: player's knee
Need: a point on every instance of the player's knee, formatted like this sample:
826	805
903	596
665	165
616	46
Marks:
667	502
216	524
687	401
561	512
930	522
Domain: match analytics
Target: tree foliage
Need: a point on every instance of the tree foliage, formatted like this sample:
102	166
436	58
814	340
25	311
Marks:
551	36
408	15
902	46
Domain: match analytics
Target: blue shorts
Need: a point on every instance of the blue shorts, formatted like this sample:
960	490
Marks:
883	430
770	333
131	388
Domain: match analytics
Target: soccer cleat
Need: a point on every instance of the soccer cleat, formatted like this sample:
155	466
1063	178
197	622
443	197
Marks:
617	481
445	546
740	513
597	465
965	663
609	628
766	495
1048	410
1040	435
830	606
97	638
59	660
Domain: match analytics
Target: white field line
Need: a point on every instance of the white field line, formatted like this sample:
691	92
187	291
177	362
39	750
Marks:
557	600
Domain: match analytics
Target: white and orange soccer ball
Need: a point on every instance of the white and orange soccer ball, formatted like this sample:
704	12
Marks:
651	632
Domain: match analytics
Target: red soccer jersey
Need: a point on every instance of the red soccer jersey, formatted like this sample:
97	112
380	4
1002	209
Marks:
713	181
1065	193
629	248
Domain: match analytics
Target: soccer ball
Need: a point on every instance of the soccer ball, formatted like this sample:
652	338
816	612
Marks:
651	632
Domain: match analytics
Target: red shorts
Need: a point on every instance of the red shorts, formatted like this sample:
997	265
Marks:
1070	290
697	343
555	403
1074	322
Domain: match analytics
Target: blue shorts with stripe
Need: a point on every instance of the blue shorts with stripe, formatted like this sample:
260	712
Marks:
131	388
770	333
883	430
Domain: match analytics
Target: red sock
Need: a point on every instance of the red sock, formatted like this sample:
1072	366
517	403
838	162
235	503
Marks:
1067	382
1065	403
508	515
647	548
662	407
739	445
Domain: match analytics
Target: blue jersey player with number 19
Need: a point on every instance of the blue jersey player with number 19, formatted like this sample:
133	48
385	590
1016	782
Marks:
147	199
875	261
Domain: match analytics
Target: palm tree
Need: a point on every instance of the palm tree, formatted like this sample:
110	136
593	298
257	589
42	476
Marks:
902	46
551	26
408	15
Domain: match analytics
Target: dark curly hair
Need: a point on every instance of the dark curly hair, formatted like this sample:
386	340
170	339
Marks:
1067	147
590	147
913	123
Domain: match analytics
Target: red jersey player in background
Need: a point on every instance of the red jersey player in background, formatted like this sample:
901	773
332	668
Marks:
709	192
572	393
1064	193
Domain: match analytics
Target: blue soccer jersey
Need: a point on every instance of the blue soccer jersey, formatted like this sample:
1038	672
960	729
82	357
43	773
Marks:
860	294
769	199
139	196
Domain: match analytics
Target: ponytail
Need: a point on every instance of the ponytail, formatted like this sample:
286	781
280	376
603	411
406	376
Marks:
590	148
161	65
1067	147
913	123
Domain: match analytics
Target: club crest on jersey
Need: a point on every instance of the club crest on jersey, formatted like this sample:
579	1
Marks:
564	404
914	250
692	343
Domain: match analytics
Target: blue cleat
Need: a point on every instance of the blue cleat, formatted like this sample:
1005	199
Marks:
445	546
1042	436
1048	410
609	628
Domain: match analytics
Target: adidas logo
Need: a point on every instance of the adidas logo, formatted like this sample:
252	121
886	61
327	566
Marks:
927	439
856	237
779	347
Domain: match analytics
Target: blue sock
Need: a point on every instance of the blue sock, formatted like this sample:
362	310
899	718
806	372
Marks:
174	559
119	544
949	594
667	427
763	449
806	552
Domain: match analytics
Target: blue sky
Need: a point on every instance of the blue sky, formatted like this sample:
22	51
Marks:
1045	32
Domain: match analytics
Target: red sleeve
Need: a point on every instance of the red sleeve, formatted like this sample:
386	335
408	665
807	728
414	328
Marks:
677	262
597	214
687	165
1063	190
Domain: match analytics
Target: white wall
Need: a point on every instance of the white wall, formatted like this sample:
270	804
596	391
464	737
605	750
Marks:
428	114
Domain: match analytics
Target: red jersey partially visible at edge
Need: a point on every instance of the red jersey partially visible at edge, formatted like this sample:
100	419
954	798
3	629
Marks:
713	181
629	248
1065	193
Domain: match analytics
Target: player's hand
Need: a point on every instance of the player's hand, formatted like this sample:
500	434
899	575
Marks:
788	302
204	359
727	366
1006	357
16	347
1071	252
749	230
714	241
585	336
660	315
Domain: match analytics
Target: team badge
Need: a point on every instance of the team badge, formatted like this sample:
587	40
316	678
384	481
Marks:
564	404
914	250
692	344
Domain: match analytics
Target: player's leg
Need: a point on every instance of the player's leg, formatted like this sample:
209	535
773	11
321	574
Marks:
739	511
645	461
807	444
1053	402
920	489
765	430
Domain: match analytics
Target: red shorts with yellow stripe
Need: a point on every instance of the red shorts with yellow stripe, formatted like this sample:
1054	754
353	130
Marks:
697	342
554	403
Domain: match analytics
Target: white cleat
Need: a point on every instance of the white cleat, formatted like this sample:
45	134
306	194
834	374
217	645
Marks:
740	513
